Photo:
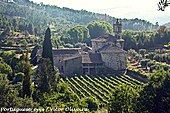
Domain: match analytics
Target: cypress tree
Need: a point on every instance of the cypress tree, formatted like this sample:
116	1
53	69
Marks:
43	75
26	84
34	55
47	46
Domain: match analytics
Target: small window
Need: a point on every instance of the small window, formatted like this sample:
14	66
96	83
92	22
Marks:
62	69
91	64
85	64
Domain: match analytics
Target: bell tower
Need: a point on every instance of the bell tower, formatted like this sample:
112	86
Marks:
118	33
117	29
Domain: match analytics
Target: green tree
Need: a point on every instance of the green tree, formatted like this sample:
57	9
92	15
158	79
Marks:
98	28
8	95
24	43
91	103
123	99
7	30
66	38
154	98
18	77
9	43
144	62
6	69
47	46
26	83
142	52
151	55
45	76
34	55
130	39
7	56
132	54
78	34
63	98
15	24
30	29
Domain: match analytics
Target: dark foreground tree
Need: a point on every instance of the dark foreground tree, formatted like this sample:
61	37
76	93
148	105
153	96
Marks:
45	76
91	103
47	46
123	99
154	98
5	69
26	84
34	55
7	92
9	96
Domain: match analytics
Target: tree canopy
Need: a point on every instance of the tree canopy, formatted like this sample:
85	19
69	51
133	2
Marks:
154	98
78	34
98	28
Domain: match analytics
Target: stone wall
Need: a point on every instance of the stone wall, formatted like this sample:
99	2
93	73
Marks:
58	59
114	60
72	66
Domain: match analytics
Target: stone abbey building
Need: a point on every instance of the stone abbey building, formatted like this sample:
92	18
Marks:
106	51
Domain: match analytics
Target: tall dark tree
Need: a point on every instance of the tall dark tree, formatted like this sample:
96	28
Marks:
142	52
34	55
26	84
45	77
47	46
30	29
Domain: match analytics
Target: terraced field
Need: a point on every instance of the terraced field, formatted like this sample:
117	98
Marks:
98	86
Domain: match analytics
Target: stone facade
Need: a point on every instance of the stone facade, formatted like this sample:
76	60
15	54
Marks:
116	61
90	63
72	66
112	55
59	56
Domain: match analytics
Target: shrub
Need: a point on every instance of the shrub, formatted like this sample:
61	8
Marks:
144	62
